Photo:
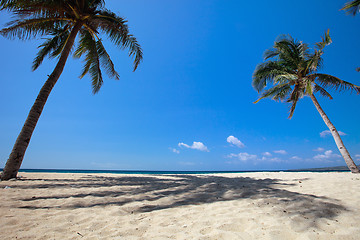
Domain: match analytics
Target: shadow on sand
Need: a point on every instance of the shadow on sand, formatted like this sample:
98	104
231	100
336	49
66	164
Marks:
152	193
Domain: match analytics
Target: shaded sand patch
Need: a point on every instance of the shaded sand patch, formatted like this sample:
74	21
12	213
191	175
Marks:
210	206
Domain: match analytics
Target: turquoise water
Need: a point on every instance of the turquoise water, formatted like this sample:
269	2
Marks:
161	172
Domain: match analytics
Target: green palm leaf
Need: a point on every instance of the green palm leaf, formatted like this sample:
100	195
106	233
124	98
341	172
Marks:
328	81
117	30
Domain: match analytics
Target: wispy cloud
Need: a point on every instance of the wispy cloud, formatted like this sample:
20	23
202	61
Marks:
174	150
243	156
267	154
235	141
326	156
274	159
357	157
280	152
296	158
327	133
196	145
319	149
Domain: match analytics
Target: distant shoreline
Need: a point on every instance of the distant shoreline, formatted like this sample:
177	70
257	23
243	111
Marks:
328	169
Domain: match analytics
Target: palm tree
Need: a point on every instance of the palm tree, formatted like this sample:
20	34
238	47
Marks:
62	21
291	69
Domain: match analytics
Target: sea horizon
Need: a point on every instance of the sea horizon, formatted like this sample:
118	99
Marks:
35	170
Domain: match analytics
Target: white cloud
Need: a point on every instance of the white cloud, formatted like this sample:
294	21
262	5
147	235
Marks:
319	149
174	150
196	145
234	141
326	156
243	156
357	156
296	158
280	152
275	159
327	132
267	154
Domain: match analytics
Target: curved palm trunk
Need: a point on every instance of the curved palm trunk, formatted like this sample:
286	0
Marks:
339	143
17	154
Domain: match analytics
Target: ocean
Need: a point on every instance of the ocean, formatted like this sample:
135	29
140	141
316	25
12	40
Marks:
169	172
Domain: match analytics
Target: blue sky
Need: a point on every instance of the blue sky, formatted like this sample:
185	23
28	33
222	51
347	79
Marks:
189	106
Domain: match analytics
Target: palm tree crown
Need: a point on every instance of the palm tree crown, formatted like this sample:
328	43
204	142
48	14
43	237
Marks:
57	18
291	70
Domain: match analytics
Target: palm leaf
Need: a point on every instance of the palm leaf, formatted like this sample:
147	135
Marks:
31	28
51	47
294	98
277	92
105	60
352	7
266	72
117	30
88	46
322	91
335	83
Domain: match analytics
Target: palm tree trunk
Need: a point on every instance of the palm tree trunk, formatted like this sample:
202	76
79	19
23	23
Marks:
17	154
339	143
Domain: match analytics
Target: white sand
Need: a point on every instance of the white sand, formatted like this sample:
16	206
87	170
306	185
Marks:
216	206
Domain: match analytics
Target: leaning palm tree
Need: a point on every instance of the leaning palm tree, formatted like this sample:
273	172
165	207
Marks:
62	21
291	70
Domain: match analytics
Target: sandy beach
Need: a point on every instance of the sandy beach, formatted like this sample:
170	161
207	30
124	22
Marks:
210	206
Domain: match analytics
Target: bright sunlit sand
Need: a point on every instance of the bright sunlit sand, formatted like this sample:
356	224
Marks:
210	206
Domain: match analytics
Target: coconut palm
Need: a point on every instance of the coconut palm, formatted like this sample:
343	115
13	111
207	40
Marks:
291	70
64	21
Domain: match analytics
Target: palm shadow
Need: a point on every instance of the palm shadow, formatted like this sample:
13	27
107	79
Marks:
158	192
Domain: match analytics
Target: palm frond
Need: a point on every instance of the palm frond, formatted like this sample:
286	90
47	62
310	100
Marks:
326	40
314	62
294	98
329	81
322	91
117	30
31	28
292	108
289	78
105	60
51	47
291	51
88	46
266	72
278	92
270	53
352	7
